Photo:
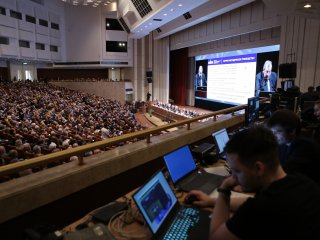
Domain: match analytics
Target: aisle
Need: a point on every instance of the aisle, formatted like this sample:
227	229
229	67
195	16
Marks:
140	117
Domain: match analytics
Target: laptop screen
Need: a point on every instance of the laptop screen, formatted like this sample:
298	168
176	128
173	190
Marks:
179	163
155	200
221	138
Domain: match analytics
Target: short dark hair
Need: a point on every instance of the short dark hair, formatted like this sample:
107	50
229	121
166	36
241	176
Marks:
254	144
287	119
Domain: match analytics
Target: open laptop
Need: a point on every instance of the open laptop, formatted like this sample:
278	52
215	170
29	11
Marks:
220	138
186	176
166	218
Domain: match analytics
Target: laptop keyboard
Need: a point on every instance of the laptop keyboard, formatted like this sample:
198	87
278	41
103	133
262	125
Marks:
186	218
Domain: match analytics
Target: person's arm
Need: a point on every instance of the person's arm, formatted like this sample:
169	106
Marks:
258	85
273	81
222	211
205	201
202	200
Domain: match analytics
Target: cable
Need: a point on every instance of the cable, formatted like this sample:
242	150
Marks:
122	219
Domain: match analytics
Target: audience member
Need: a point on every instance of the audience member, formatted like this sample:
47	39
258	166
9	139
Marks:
288	205
318	90
316	126
316	109
3	155
296	153
310	95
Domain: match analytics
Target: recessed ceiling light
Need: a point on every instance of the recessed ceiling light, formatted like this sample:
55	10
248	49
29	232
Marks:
179	5
307	5
171	10
165	14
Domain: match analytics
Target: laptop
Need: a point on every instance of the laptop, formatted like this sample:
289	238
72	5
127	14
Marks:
221	138
186	176
166	218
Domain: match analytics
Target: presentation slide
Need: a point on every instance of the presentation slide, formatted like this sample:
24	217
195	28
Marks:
233	77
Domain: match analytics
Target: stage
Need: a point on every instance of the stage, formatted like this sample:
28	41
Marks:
157	119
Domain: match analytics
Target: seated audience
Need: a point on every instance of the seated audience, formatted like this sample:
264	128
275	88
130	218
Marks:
54	118
296	153
284	207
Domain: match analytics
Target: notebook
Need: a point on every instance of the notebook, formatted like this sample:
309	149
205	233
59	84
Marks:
220	138
186	176
166	218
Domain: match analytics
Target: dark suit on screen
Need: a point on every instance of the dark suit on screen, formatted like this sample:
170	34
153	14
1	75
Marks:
262	84
200	81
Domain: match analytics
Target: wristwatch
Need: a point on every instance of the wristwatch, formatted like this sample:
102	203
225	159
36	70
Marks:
225	191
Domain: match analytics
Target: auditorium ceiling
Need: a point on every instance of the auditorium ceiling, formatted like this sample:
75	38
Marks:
165	17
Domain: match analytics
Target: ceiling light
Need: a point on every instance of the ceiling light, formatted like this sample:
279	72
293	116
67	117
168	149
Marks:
165	14
307	5
179	5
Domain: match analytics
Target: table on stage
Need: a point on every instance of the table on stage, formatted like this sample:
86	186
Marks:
164	113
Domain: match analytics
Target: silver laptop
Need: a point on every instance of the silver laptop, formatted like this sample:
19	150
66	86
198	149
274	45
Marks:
220	138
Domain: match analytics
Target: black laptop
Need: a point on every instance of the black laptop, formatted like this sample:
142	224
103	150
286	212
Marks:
186	176
166	218
220	138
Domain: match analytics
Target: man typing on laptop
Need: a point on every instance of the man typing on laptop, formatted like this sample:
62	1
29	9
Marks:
284	207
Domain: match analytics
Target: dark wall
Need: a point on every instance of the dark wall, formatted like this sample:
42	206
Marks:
4	74
44	73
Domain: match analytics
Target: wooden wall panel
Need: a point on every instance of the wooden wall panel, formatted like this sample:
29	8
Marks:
110	90
53	73
249	18
300	36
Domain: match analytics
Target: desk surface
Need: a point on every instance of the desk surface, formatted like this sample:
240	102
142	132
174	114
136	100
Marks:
135	229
